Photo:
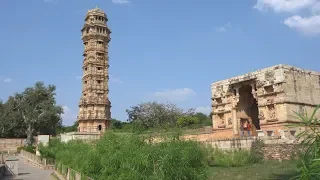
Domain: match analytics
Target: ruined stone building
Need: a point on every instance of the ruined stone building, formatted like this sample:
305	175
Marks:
94	106
267	98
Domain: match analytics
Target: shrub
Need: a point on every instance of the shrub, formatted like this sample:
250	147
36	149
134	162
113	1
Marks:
310	141
131	157
187	120
31	149
230	158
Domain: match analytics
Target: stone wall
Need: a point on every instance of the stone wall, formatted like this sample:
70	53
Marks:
275	148
281	151
10	144
85	136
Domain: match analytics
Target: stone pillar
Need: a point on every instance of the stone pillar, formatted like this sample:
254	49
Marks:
235	123
12	164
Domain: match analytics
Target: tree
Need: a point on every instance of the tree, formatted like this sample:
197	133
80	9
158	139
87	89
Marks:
64	129
116	124
154	114
187	120
38	110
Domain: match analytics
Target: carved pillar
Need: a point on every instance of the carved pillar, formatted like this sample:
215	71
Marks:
254	93
235	122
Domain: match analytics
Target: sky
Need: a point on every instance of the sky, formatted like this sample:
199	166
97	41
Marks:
162	50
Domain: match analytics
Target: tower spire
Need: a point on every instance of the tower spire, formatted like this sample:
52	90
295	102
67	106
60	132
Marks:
94	106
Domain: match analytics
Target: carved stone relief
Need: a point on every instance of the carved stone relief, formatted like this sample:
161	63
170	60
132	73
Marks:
229	121
261	116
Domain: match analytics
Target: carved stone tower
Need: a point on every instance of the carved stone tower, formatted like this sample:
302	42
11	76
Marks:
94	106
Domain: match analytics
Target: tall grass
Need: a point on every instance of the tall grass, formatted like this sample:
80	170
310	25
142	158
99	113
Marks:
131	157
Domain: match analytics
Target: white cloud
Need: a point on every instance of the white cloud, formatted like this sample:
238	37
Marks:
224	28
204	109
115	80
68	116
308	26
284	5
121	1
175	94
7	80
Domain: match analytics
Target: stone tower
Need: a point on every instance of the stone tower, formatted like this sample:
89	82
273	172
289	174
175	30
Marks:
94	106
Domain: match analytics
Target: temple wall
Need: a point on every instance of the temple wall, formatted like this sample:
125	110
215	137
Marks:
279	90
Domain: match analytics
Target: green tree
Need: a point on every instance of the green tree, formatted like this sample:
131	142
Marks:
64	129
38	110
116	124
187	120
154	114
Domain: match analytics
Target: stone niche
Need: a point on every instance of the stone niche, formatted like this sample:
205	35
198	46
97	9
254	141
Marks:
266	98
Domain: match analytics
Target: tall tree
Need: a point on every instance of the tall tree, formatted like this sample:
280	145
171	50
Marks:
154	114
38	110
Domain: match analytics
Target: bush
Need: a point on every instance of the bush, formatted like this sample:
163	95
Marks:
31	149
236	158
131	157
187	120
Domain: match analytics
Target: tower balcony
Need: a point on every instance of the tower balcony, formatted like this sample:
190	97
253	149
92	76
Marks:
99	74
95	87
95	62
96	35
94	48
95	101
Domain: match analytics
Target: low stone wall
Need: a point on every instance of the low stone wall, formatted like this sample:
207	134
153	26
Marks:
281	151
10	145
37	161
230	144
63	172
80	136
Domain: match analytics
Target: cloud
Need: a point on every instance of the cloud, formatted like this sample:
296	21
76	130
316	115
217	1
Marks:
224	28
204	109
68	116
7	80
308	26
284	5
115	80
121	1
175	94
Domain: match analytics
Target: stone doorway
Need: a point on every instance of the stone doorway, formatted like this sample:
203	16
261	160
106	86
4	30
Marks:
248	107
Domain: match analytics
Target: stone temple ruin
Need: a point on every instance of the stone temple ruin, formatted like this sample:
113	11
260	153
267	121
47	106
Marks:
94	106
267	98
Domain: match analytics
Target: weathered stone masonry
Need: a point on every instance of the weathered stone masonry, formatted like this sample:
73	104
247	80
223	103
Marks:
267	98
94	106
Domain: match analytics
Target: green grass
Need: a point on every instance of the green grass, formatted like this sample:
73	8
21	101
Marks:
268	170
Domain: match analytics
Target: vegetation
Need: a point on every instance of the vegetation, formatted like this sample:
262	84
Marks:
34	111
267	170
131	157
66	129
31	149
309	166
155	117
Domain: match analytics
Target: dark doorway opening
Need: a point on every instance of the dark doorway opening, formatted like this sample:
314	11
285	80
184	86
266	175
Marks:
99	127
248	106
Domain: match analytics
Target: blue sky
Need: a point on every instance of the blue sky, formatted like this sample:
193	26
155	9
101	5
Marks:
160	49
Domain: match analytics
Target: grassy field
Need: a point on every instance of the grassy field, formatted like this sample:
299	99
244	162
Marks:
269	170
